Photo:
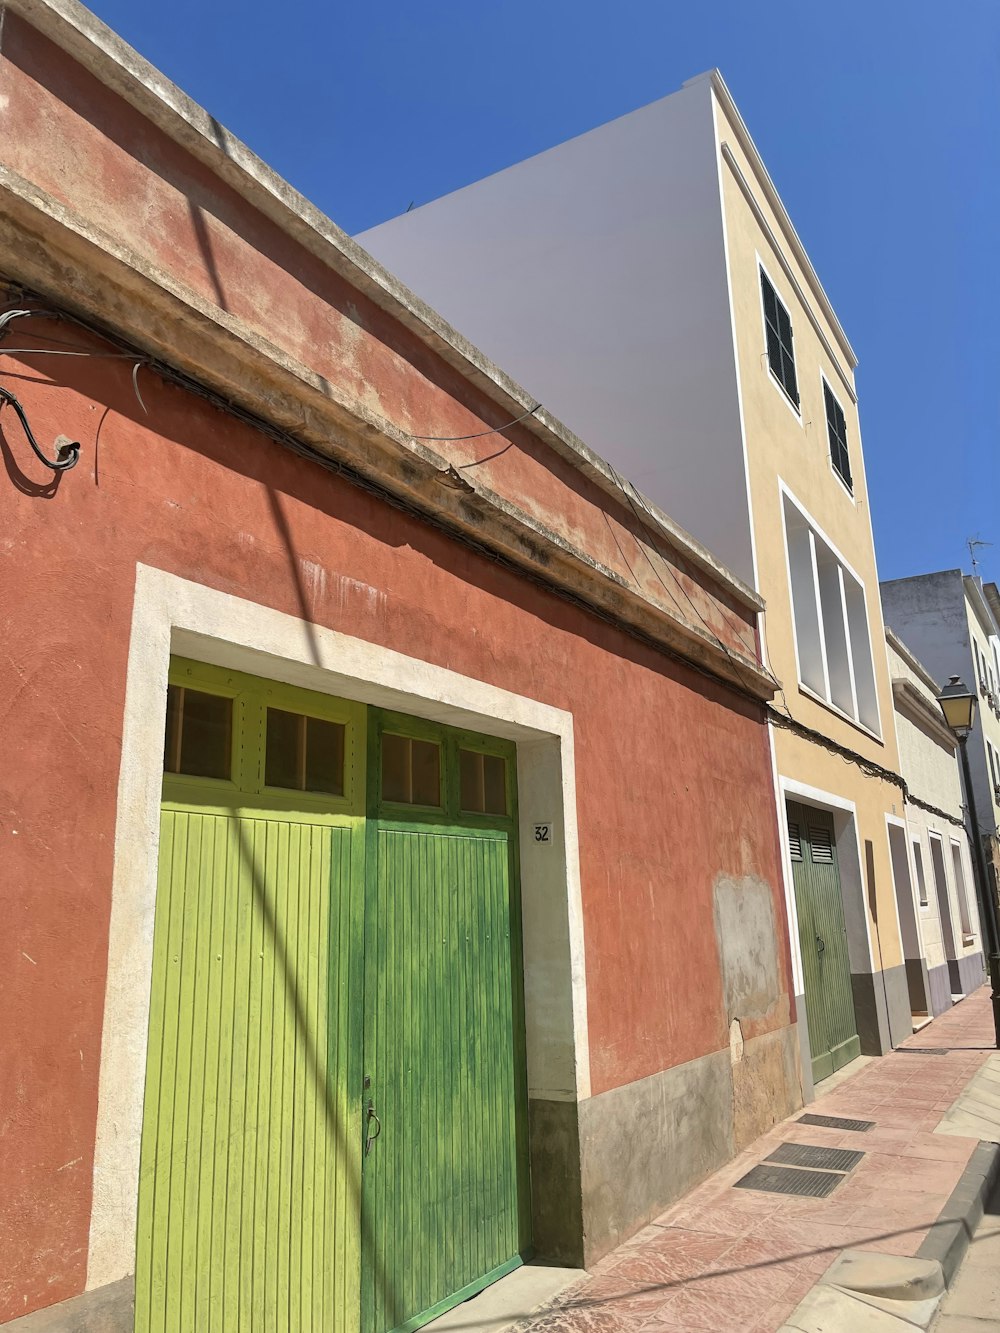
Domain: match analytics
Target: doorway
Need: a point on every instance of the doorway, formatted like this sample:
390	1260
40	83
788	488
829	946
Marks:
334	1128
830	1016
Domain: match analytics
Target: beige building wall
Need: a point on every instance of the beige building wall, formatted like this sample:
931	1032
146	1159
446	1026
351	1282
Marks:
790	476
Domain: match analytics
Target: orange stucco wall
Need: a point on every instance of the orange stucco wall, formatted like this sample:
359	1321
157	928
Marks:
673	772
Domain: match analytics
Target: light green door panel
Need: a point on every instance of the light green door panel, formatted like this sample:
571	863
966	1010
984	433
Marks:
249	1175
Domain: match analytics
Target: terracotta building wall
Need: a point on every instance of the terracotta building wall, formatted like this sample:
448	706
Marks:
673	772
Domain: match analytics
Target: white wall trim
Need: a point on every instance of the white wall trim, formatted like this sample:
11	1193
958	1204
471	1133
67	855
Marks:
791	909
849	863
174	615
736	367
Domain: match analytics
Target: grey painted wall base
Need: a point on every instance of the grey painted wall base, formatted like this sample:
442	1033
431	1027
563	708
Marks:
918	985
939	982
107	1310
882	1008
643	1146
556	1198
971	973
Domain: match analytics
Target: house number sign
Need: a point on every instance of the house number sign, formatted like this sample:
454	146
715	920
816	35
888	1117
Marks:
543	833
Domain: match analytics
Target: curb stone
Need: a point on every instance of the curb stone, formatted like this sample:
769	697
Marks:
949	1237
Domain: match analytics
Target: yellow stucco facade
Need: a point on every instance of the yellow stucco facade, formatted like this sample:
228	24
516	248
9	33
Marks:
792	481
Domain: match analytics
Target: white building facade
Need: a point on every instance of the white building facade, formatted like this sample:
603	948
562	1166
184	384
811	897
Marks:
931	856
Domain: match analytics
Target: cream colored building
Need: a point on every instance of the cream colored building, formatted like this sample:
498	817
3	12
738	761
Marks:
951	621
932	860
646	283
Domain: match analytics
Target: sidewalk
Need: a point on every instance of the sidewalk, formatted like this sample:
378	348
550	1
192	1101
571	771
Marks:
741	1260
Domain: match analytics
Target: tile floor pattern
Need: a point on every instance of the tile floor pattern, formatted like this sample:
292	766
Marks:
740	1261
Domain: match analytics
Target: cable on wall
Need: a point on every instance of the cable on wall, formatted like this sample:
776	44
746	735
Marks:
479	434
68	450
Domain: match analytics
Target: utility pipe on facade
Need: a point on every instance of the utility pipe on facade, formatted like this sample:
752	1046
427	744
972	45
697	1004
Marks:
958	704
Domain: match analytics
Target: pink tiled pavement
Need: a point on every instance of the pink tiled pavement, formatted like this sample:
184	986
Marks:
740	1261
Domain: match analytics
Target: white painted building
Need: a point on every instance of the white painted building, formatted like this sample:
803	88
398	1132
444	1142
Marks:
948	621
931	857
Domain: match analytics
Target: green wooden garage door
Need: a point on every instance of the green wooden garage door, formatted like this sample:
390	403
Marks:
309	963
445	1188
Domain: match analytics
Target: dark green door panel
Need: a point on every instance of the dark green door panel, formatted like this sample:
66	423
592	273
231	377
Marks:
445	1191
830	1017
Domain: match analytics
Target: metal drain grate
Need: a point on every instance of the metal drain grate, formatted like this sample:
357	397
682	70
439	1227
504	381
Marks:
921	1050
836	1122
790	1180
807	1154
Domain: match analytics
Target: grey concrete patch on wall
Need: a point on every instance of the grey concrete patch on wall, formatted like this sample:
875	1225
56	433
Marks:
747	942
882	1009
939	988
109	1309
646	1144
556	1196
766	1084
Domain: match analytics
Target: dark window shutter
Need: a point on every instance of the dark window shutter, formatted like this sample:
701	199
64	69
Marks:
822	845
794	841
780	353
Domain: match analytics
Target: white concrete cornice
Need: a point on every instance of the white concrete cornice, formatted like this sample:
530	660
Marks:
976	597
770	192
910	700
917	667
115	64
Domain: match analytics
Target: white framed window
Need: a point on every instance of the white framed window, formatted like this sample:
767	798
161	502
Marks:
961	891
830	620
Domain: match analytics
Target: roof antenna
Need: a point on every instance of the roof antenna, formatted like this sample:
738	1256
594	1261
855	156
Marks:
974	543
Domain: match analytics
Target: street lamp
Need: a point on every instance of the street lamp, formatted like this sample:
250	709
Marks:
958	704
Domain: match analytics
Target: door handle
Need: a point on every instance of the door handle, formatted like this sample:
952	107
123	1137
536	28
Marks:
820	944
369	1136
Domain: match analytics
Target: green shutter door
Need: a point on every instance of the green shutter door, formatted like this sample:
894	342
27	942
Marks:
299	947
831	1021
249	1201
445	1183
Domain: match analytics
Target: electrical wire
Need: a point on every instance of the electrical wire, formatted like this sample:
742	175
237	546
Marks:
479	434
69	451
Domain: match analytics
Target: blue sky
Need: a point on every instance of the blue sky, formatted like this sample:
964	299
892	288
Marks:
879	122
